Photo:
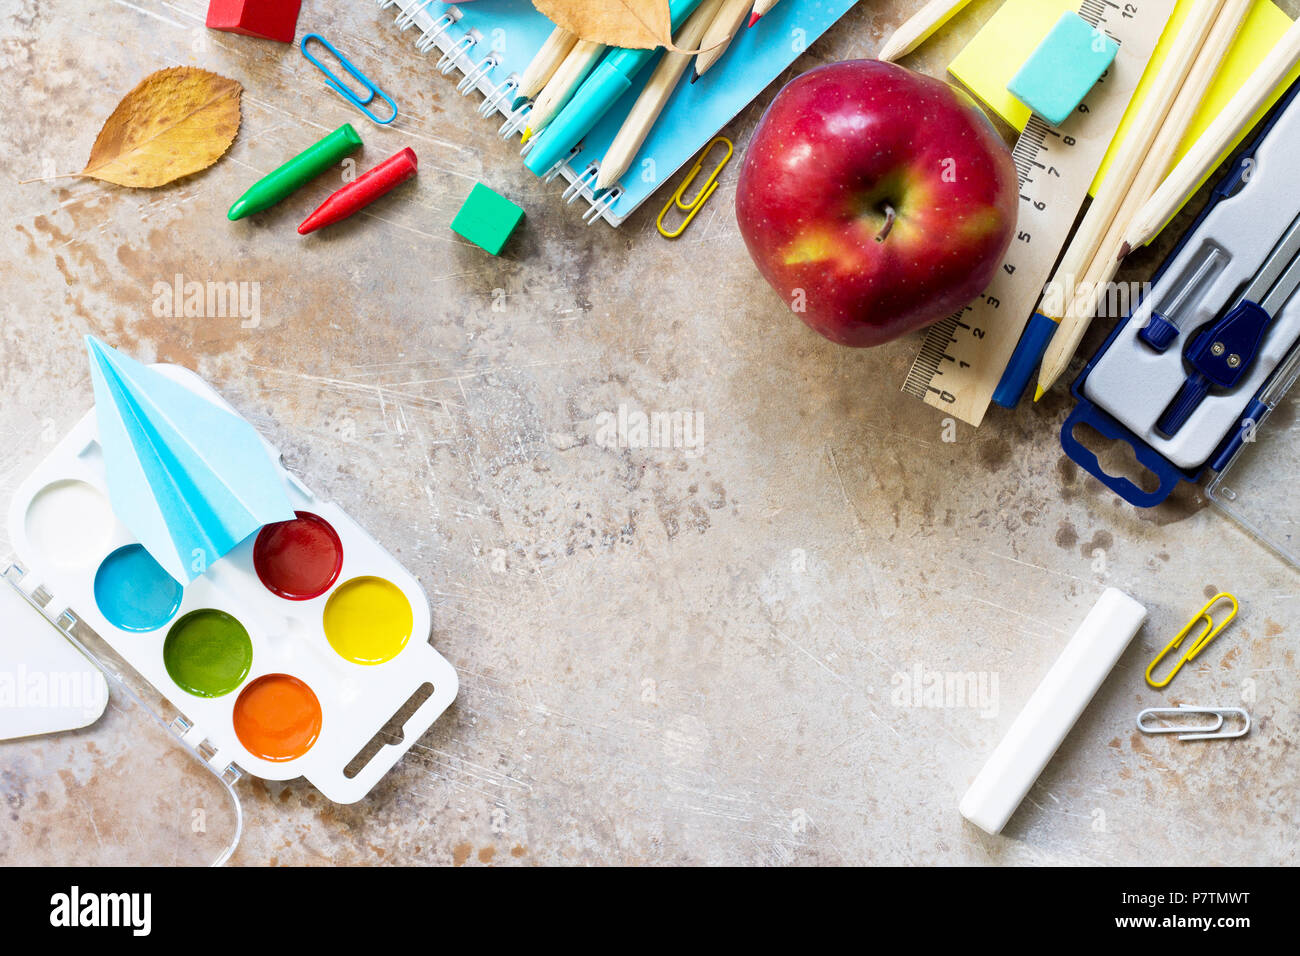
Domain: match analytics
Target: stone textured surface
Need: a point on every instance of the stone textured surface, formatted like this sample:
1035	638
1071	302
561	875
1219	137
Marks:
667	655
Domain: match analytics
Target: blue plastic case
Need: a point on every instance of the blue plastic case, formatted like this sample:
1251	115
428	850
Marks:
1086	412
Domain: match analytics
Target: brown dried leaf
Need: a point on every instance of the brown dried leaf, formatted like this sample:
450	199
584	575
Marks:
636	24
175	122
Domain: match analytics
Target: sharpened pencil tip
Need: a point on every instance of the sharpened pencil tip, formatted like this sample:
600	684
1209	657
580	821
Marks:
1038	392
528	131
753	18
695	75
1124	250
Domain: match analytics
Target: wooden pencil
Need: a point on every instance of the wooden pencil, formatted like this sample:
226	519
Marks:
562	84
1110	197
544	64
1083	306
645	111
919	28
1215	141
718	35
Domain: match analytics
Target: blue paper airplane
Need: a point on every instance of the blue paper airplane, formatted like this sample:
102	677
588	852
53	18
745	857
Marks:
188	478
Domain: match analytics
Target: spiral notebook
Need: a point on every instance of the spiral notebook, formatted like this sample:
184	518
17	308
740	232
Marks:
491	42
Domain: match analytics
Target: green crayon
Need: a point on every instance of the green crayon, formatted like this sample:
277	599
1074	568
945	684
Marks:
307	165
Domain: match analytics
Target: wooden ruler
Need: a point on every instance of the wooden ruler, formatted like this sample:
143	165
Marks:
964	355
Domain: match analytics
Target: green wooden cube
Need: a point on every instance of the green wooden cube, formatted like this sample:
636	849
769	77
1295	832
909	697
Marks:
487	219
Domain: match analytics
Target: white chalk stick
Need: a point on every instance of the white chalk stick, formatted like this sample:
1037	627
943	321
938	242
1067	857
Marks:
1052	710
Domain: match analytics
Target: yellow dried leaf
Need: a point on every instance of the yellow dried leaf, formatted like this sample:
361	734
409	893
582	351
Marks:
175	122
636	24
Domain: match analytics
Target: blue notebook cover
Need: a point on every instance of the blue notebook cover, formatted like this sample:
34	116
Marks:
512	31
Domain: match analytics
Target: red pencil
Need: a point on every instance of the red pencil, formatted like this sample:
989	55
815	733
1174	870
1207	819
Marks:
760	7
362	191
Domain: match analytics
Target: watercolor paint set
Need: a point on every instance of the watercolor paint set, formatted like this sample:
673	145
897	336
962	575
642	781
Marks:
302	651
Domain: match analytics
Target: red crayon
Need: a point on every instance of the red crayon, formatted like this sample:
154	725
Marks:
362	191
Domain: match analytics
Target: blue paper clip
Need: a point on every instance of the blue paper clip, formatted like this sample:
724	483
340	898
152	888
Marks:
337	85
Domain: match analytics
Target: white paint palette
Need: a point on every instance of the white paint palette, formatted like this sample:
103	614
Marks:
285	658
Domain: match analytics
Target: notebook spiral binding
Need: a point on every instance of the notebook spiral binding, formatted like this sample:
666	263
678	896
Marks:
458	53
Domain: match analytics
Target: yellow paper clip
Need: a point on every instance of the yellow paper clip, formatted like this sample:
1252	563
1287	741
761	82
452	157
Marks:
701	197
1202	641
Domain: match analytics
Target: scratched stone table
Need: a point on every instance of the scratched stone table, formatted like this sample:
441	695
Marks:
711	652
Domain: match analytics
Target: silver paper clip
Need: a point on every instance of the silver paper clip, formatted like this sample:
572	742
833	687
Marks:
1213	731
337	85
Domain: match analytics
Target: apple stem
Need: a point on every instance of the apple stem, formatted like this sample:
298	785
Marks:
889	223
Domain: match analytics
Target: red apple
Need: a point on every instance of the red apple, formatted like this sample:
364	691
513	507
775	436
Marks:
875	200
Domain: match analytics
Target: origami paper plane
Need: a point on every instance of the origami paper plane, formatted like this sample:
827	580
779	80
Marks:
188	478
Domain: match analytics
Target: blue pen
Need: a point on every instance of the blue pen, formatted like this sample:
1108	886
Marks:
610	80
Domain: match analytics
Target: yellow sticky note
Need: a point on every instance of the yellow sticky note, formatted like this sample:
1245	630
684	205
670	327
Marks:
986	65
989	61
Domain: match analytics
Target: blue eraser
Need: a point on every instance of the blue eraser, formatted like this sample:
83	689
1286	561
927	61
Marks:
1064	67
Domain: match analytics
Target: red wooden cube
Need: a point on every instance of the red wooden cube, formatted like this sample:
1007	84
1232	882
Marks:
269	19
